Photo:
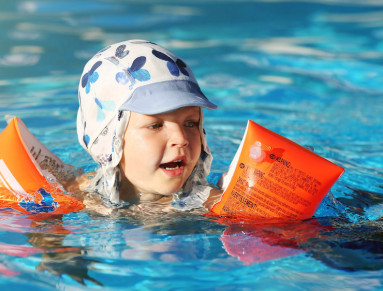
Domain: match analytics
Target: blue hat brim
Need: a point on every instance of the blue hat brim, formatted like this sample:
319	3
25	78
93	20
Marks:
165	97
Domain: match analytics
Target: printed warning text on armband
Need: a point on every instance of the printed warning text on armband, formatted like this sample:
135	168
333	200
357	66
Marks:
277	204
278	190
283	192
260	193
294	178
243	200
271	203
58	169
274	179
237	204
251	172
266	204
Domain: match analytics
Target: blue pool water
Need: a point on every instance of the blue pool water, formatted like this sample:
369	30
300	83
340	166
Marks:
309	70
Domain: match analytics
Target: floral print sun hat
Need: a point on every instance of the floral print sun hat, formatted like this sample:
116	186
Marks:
142	77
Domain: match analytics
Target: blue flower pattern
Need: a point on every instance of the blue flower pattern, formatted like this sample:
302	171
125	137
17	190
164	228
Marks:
135	72
174	66
85	138
90	77
121	52
48	204
103	105
128	75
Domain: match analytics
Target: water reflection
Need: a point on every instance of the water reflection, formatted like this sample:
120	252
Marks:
58	258
310	70
65	248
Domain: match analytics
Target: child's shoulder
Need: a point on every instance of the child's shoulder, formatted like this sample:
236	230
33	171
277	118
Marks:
214	196
79	183
77	187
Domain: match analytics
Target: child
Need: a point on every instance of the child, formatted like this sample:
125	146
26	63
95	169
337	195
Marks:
140	119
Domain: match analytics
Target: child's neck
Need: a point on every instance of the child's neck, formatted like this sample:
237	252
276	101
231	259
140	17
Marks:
128	193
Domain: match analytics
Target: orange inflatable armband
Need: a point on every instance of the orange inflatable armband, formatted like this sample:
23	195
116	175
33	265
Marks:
23	180
273	177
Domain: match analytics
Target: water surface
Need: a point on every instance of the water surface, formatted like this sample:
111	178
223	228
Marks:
309	70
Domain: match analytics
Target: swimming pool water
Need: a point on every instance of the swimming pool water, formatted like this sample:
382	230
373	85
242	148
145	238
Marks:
309	70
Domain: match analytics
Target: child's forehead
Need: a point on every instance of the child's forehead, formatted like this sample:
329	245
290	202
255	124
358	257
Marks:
188	111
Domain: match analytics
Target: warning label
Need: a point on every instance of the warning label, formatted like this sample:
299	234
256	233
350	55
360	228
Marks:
276	177
247	198
294	178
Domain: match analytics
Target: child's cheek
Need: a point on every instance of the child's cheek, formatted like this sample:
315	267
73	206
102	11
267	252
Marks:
151	148
196	147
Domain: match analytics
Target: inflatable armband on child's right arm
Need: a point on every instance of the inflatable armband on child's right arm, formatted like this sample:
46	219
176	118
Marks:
24	164
273	177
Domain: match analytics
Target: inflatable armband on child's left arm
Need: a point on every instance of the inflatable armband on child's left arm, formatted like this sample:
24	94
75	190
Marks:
273	177
28	172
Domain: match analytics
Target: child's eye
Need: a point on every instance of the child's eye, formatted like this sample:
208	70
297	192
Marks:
191	124
155	126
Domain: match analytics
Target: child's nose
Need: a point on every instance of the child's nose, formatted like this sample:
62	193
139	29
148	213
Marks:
178	137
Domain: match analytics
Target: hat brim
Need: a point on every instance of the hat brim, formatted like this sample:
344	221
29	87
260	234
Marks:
165	97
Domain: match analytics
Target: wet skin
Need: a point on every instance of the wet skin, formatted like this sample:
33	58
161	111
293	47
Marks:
160	152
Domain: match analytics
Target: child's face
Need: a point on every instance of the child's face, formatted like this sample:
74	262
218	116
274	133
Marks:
160	151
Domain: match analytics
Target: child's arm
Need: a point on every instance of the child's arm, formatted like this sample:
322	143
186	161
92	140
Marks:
78	184
214	197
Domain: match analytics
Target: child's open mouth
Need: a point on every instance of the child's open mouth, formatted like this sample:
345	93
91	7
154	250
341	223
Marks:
174	168
172	165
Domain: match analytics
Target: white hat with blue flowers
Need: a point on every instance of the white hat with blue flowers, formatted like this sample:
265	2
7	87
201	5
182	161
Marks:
143	77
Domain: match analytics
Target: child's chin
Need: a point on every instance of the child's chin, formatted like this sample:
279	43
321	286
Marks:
170	191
